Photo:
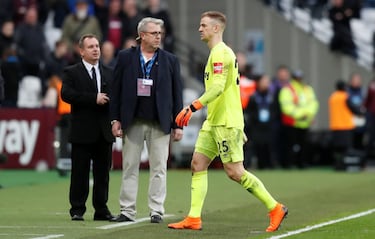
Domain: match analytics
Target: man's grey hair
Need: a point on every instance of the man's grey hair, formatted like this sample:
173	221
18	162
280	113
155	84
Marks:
143	23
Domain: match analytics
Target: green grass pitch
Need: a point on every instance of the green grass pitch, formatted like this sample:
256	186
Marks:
35	205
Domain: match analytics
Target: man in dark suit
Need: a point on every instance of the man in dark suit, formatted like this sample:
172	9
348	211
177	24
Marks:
146	97
86	87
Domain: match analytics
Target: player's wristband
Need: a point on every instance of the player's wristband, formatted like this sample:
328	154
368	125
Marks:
196	105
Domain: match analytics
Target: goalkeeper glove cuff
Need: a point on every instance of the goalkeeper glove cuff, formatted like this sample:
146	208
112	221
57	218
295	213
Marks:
196	105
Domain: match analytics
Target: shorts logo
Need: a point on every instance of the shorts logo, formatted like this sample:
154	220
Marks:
218	67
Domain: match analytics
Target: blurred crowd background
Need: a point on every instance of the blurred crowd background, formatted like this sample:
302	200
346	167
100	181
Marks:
38	38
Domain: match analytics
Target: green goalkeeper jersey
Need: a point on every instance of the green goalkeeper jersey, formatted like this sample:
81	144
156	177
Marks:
222	95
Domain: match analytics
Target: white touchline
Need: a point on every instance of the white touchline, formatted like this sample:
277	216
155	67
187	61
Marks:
309	228
49	236
121	224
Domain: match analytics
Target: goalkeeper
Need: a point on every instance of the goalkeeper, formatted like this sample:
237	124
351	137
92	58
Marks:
222	132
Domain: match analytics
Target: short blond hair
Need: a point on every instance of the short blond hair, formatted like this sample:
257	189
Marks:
218	16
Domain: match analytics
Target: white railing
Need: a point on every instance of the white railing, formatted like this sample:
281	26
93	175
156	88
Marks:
362	29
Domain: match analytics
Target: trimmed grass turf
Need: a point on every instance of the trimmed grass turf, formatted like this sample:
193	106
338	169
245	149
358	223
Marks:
313	196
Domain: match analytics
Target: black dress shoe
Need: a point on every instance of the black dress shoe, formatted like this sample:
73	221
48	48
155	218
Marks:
121	218
156	219
77	217
103	217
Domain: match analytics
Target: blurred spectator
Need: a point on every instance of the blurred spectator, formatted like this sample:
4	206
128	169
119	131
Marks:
247	88
6	36
113	28
244	68
30	92
281	79
356	97
155	10
279	144
340	16
90	5
60	8
108	54
50	98
355	6
316	7
12	73
341	124
247	85
101	13
31	43
260	115
369	103
6	10
369	3
130	16
129	42
57	59
79	23
20	8
298	107
75	56
63	111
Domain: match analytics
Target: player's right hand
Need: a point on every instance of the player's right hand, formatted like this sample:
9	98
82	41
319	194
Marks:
184	116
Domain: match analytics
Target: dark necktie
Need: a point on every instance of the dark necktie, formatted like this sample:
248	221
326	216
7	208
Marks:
94	76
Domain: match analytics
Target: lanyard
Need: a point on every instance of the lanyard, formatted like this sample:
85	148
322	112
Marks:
265	101
146	72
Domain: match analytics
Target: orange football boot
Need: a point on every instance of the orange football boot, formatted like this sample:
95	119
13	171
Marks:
193	223
277	215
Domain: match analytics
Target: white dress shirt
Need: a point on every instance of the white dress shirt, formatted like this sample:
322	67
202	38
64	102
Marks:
88	67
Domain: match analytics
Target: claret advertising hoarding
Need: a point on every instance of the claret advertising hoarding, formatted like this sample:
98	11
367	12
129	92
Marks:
27	137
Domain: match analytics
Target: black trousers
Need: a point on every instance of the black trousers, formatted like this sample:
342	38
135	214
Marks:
100	154
263	154
296	140
279	145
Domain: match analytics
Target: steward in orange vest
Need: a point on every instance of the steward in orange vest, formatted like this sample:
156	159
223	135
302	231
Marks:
341	117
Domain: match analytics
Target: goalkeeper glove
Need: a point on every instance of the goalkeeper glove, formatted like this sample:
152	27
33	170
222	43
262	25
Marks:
184	116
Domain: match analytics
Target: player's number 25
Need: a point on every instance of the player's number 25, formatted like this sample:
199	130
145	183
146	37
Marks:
223	146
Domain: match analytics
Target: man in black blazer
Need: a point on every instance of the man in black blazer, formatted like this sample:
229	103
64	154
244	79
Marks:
86	87
146	97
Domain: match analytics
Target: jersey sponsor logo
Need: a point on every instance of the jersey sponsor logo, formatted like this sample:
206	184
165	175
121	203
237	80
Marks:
218	67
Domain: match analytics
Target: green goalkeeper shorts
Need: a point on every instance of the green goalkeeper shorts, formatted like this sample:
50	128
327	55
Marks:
220	141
